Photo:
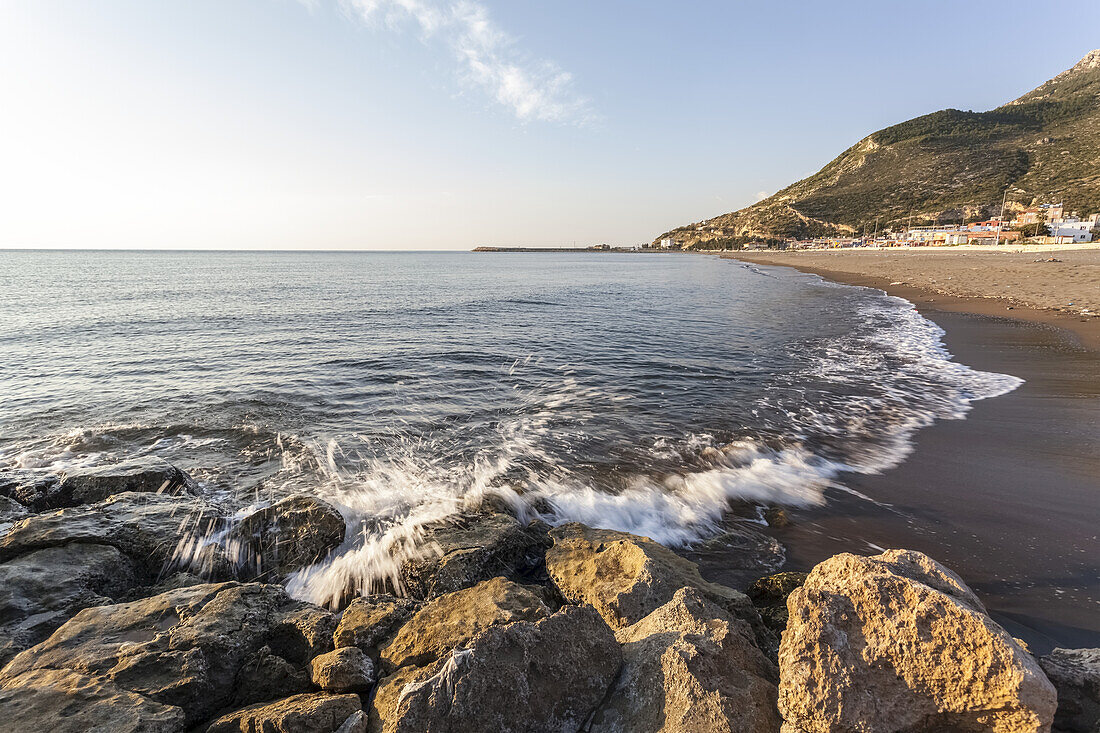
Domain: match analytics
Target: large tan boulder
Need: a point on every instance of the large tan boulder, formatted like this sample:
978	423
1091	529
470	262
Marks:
898	643
200	648
547	676
624	576
453	619
346	669
690	666
369	621
306	713
63	701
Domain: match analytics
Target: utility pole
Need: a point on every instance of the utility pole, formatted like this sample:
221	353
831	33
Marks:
1001	219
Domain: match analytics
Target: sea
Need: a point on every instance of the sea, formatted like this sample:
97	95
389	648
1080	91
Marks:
641	392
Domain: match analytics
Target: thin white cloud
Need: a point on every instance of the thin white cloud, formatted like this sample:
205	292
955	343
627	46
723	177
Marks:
488	56
761	195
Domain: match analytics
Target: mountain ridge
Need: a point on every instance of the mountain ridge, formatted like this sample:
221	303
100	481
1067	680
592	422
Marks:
940	167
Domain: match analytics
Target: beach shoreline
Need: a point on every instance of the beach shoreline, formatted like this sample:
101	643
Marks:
927	279
1009	495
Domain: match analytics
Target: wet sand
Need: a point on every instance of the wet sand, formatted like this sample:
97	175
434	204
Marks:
1009	497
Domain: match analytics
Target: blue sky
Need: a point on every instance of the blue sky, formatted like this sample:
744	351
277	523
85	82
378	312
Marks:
444	124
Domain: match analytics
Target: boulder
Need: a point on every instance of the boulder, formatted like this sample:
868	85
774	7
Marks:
42	589
548	675
346	669
736	557
63	701
1076	675
769	594
690	666
383	703
370	620
626	577
11	512
469	549
897	642
198	648
29	489
97	483
307	713
453	619
286	536
147	528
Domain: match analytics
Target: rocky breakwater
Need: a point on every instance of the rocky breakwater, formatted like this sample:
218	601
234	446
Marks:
152	611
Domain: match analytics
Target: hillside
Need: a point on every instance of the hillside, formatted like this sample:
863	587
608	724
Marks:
1042	147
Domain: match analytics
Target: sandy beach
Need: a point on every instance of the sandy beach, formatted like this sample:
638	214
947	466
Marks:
1011	495
1060	287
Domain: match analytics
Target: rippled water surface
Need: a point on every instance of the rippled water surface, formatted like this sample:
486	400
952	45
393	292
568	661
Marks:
639	392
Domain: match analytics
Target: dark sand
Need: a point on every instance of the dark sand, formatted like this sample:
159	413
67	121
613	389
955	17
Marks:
1009	497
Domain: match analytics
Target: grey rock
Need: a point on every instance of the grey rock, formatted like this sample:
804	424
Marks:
543	676
97	483
473	548
1075	673
27	488
284	537
346	669
306	713
11	512
769	594
42	589
63	701
187	647
148	528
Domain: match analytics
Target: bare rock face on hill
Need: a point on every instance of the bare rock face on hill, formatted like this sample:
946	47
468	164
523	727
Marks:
626	577
690	666
547	676
897	642
199	648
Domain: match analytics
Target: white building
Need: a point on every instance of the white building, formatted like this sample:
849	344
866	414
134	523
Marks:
1081	231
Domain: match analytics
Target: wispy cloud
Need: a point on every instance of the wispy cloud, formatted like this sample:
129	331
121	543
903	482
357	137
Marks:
488	57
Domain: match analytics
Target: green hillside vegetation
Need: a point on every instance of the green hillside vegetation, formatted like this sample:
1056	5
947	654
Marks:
948	166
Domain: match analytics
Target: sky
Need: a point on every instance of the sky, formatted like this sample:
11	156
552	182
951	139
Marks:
447	124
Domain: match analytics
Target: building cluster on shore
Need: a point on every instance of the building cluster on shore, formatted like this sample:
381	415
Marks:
1051	226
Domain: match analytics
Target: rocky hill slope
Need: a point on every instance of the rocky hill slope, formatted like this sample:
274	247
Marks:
1042	147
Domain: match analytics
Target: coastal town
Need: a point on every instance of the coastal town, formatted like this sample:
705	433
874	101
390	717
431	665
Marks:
1045	224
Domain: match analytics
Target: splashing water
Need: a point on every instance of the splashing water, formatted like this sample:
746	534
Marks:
639	393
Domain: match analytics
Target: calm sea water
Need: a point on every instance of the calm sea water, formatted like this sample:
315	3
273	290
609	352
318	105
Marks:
638	392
